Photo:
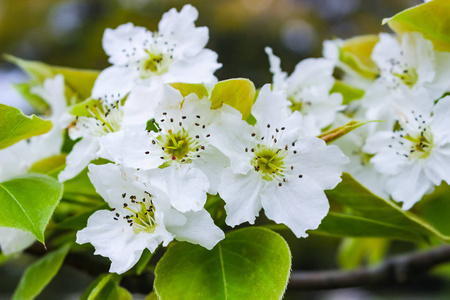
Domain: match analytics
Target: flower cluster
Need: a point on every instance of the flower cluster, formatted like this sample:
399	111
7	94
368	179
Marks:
169	149
406	155
159	137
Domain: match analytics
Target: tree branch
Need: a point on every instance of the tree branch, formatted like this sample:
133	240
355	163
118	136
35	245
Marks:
394	270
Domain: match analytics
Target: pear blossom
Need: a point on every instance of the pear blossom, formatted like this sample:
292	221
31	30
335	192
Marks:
140	218
175	53
275	167
102	120
412	63
416	157
179	152
308	90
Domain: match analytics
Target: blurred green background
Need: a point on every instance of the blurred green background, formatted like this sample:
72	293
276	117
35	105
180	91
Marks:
69	33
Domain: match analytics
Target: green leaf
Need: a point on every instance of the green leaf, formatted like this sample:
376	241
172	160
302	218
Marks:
347	225
250	263
189	88
15	126
238	93
39	274
78	82
348	92
432	207
371	216
152	296
431	19
28	202
357	252
50	166
106	287
338	132
356	53
39	104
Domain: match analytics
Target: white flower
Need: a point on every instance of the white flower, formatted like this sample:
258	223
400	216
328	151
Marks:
273	167
417	155
179	151
308	90
140	57
140	218
104	120
411	63
407	67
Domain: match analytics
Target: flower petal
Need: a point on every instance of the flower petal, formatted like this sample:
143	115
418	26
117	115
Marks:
440	123
212	163
114	82
122	42
180	27
301	204
184	185
82	153
198	229
231	135
119	243
279	77
14	240
324	164
409	185
241	194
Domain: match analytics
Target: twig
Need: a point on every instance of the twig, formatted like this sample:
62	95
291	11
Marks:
394	270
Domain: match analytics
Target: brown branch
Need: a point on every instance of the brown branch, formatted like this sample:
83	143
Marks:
394	270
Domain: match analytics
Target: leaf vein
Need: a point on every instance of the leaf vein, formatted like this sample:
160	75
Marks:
18	203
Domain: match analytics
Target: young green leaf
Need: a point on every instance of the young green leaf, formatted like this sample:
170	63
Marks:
431	19
106	287
349	93
335	133
50	166
15	126
78	82
39	104
152	296
356	53
189	88
39	274
238	93
28	202
250	263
